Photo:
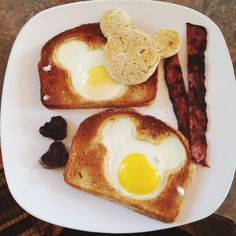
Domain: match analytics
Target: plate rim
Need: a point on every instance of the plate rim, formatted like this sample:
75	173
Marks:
10	62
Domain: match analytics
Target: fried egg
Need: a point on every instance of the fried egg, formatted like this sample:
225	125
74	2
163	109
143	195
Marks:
138	168
89	77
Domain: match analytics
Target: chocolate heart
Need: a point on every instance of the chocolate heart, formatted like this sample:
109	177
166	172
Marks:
55	129
55	157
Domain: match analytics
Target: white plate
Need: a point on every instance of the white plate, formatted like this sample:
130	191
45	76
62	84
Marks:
43	192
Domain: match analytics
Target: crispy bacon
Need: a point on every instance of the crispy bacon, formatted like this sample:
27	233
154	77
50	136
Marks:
177	92
190	109
196	45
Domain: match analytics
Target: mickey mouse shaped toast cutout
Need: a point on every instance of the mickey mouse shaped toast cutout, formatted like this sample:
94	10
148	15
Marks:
131	54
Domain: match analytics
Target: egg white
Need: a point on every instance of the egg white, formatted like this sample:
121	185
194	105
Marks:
119	138
78	58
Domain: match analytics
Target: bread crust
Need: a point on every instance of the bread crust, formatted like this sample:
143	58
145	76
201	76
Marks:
85	168
56	86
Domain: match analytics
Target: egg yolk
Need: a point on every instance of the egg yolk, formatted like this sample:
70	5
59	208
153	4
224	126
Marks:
99	82
137	175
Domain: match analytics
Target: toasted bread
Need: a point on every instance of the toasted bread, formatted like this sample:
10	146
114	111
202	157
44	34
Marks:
56	86
170	41
86	167
132	55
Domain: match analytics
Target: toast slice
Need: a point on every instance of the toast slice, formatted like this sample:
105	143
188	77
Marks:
55	81
88	169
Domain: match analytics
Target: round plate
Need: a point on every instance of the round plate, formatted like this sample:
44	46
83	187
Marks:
43	193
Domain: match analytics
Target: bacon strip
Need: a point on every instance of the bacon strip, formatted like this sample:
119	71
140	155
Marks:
196	45
178	96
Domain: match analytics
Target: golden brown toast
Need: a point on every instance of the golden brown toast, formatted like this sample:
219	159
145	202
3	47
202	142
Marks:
86	167
56	86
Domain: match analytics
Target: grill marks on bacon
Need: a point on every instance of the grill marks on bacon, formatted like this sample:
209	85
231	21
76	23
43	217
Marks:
177	92
196	46
190	109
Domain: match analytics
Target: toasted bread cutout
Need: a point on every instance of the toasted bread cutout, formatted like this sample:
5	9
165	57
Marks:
131	54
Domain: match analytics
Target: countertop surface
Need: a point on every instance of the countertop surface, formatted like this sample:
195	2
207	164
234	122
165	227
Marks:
14	14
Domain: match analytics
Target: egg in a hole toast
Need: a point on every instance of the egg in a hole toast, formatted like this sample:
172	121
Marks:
72	74
130	158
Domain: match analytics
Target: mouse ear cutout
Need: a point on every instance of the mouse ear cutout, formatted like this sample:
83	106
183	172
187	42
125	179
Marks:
114	21
168	42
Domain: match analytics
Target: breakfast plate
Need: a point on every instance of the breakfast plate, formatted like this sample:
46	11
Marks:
42	192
